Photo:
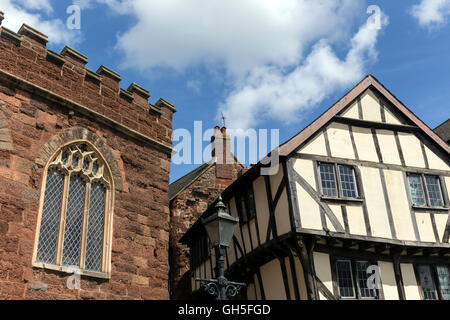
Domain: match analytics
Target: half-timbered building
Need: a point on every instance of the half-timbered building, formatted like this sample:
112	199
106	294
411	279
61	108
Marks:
361	192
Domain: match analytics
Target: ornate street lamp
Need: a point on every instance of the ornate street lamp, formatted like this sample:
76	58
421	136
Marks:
220	228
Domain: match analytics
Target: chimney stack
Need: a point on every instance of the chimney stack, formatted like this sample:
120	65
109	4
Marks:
221	153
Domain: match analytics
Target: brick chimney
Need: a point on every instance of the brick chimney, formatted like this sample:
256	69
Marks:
221	153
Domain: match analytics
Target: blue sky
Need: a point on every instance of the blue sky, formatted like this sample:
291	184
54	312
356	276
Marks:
264	63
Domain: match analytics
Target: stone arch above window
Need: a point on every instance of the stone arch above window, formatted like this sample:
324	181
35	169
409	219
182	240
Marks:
5	134
76	212
81	134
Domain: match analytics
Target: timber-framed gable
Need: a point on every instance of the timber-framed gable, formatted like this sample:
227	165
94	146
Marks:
347	190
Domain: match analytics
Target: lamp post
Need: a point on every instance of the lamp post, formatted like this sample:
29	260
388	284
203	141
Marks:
220	228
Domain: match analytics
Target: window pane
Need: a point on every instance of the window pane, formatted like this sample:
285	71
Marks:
74	221
348	182
434	191
344	279
361	268
416	188
444	280
327	176
48	236
94	244
427	283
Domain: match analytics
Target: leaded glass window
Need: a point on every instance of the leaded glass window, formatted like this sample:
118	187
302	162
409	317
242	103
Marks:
338	180
425	190
348	183
328	178
427	283
74	221
51	210
443	274
434	191
416	188
345	279
95	227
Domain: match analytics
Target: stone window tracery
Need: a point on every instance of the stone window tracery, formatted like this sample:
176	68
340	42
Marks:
76	211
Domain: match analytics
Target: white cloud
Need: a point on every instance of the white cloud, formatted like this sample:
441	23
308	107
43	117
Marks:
431	14
120	6
269	92
238	34
35	14
276	57
84	4
36	5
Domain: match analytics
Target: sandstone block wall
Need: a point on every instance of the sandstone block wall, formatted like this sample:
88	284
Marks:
185	209
46	99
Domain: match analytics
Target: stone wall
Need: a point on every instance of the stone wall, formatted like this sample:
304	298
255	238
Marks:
47	99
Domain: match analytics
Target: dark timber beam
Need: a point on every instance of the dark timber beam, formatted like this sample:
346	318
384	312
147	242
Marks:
324	290
376	125
294	276
348	243
369	164
445	238
256	260
388	204
304	248
291	187
236	242
279	193
399	149
366	245
398	274
280	250
380	248
272	228
431	251
331	241
313	193
413	251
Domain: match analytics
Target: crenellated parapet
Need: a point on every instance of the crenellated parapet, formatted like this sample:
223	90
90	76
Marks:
25	58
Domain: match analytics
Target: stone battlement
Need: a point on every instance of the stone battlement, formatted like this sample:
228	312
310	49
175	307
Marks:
25	59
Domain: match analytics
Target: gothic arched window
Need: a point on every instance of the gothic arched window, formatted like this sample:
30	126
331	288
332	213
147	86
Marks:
75	221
